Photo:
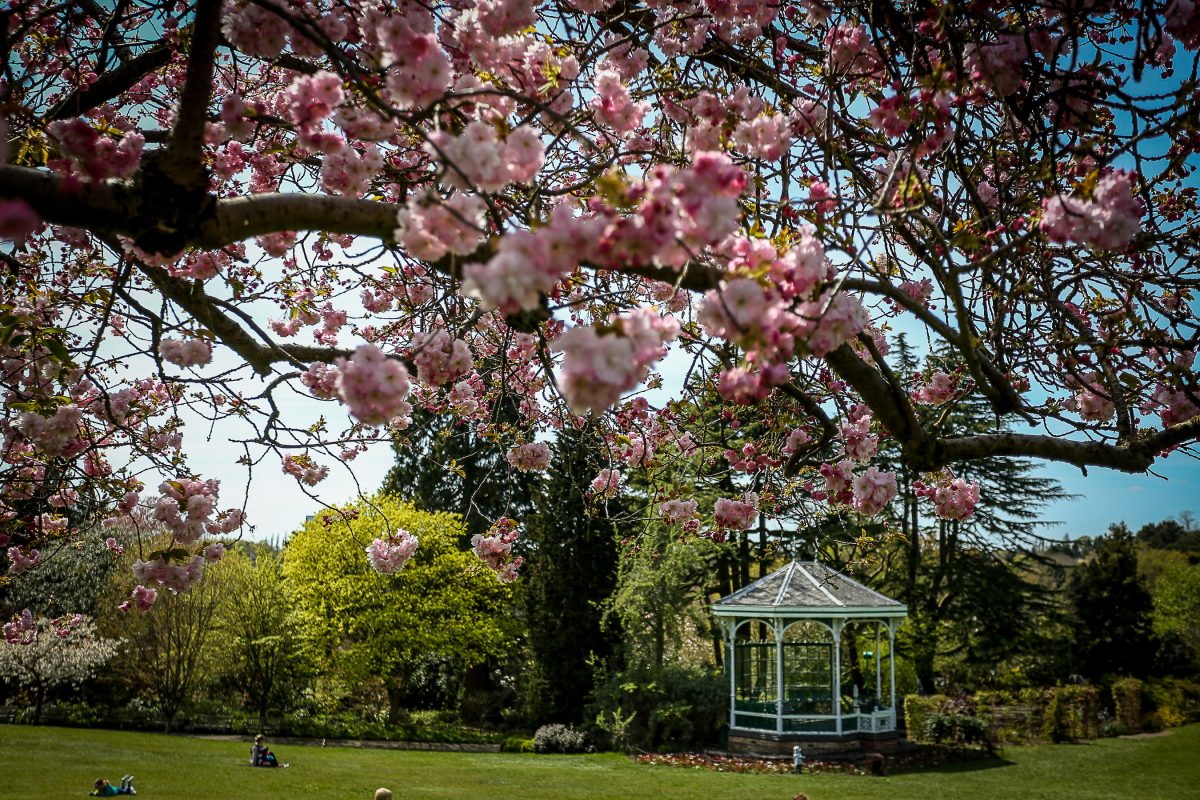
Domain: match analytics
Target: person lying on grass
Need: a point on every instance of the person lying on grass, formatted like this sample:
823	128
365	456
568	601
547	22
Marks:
102	788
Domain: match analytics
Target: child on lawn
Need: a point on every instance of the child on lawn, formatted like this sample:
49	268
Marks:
105	789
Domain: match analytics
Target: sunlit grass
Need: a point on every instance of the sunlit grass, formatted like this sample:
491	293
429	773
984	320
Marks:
62	762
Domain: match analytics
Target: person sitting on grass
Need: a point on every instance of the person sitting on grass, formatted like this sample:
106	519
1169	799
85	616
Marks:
102	788
260	756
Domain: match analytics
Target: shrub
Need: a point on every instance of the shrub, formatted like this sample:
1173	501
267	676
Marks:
1127	702
517	744
961	729
1055	723
917	709
555	738
664	710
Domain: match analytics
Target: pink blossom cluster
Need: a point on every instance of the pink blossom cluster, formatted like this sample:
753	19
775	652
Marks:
598	366
111	545
479	159
749	459
22	559
440	358
873	490
321	380
953	498
937	389
348	170
56	435
1183	22
373	386
766	137
613	106
838	479
97	157
309	101
606	483
533	457
859	443
1092	399
17	221
304	469
736	515
22	630
389	554
678	512
214	552
1107	221
429	228
177	577
796	439
254	29
1174	405
852	52
999	65
186	507
418	69
186	352
920	290
142	598
495	549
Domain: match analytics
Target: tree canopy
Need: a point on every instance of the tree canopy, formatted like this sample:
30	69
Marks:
218	208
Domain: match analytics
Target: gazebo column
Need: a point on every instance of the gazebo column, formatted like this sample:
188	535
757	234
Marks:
730	629
892	663
878	667
778	675
837	674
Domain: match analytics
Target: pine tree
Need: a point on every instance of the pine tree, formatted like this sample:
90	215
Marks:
570	570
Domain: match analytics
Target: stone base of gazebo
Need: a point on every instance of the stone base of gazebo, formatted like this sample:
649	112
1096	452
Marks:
766	743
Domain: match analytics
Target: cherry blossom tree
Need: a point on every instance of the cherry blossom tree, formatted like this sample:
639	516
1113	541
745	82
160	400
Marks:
217	206
64	650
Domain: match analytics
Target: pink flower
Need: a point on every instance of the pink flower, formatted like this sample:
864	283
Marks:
736	515
143	598
439	358
22	630
373	386
795	440
1107	221
186	353
389	555
873	490
939	388
17	220
21	559
214	552
678	512
606	483
1093	400
954	499
495	549
534	457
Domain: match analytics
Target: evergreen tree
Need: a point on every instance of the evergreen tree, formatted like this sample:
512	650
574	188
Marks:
1113	610
444	465
570	571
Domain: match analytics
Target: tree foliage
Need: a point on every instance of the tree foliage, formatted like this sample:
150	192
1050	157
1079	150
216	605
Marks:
258	632
1112	610
441	608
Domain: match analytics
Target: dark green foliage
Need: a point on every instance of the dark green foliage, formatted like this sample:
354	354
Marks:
570	569
675	708
960	729
1055	726
1112	610
1170	534
443	465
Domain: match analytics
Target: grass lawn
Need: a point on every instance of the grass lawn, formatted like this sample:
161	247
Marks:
62	762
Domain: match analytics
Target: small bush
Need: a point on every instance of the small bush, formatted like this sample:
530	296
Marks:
1055	723
517	744
1109	730
557	738
959	729
1127	700
917	709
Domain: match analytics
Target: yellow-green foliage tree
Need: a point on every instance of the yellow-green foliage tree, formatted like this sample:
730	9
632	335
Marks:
442	605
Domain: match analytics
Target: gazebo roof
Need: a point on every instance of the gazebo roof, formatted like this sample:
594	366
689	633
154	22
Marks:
807	589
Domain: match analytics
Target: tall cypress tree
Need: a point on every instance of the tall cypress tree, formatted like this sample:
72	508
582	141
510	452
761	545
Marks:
570	570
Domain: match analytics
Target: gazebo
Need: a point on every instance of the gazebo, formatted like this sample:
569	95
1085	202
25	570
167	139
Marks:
804	655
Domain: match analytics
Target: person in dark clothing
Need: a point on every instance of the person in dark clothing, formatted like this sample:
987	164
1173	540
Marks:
260	756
